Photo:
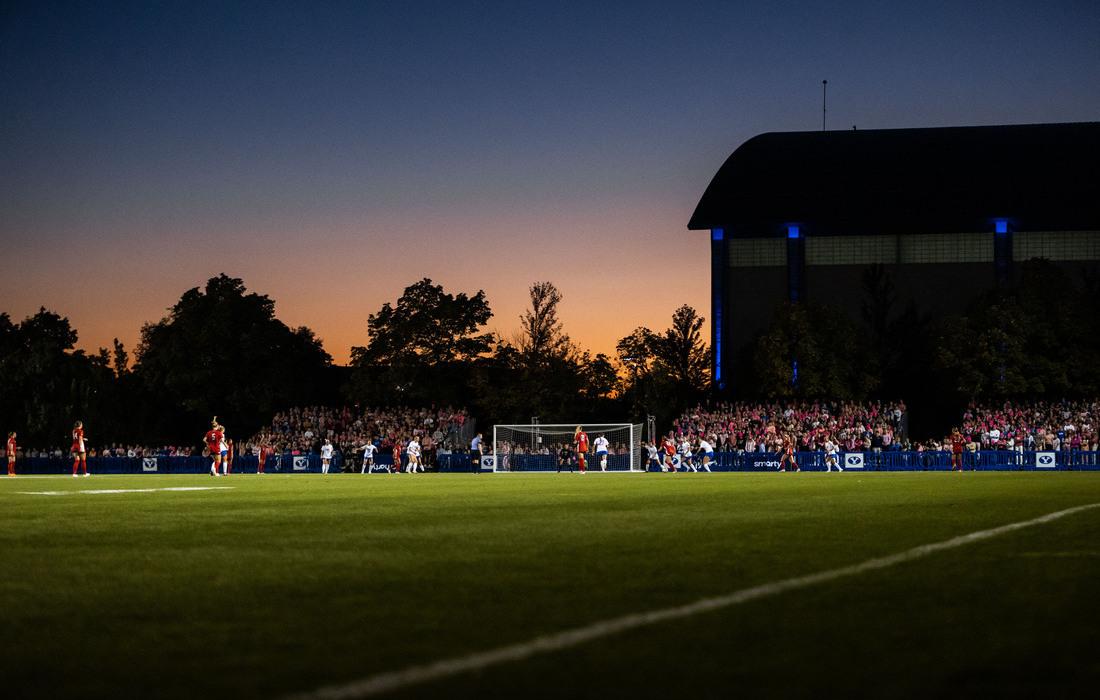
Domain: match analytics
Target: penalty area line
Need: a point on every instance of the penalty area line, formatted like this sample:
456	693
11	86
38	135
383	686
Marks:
415	675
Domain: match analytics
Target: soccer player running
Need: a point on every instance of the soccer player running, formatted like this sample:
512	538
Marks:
685	455
831	452
413	449
213	440
601	445
368	457
326	456
80	455
788	454
11	453
670	449
708	453
580	444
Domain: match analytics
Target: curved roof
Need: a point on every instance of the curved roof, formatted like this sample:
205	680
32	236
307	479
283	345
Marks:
1039	176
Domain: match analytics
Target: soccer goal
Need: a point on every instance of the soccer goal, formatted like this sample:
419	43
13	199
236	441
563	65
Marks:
537	447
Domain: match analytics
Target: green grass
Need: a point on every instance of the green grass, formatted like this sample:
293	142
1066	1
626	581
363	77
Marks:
288	583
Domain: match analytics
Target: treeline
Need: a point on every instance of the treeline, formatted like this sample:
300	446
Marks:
431	347
221	350
1034	339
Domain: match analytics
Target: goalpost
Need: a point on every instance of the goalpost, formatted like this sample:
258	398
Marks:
535	447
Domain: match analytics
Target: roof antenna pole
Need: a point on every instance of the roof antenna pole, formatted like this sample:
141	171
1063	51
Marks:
824	83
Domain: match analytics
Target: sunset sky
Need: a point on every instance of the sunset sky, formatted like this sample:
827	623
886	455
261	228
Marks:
331	154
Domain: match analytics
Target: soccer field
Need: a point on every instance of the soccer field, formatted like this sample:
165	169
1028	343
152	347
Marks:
280	585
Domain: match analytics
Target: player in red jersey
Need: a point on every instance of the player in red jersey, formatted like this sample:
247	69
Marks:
669	449
213	440
957	443
11	453
788	454
229	456
261	457
580	440
80	455
396	457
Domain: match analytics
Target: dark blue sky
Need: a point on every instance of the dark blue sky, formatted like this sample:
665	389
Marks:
310	147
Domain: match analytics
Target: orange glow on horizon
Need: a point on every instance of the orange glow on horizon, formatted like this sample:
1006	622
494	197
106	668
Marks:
616	270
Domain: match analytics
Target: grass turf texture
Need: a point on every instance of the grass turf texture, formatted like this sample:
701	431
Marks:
289	583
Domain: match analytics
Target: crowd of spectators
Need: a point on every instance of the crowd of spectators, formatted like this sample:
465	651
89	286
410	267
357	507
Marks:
763	427
304	430
730	427
115	450
1053	426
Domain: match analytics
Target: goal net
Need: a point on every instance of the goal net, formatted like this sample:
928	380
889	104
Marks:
537	447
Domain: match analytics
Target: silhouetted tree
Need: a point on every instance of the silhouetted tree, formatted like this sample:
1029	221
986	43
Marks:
665	373
682	354
221	351
1026	342
830	352
121	359
600	379
423	349
45	383
539	373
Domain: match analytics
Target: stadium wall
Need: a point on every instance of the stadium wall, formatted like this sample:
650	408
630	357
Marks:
277	464
983	460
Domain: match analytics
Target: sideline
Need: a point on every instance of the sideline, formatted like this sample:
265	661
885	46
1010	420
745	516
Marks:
414	675
102	491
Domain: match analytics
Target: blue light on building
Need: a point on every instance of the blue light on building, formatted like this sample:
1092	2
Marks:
793	231
719	256
1001	226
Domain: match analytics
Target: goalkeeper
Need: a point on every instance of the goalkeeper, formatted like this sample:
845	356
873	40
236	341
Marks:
565	458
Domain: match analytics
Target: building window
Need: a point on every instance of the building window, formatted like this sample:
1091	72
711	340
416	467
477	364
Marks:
946	248
1056	245
900	250
758	252
851	250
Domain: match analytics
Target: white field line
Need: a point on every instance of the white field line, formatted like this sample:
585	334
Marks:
413	675
101	491
143	475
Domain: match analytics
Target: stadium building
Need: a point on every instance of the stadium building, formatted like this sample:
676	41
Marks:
947	212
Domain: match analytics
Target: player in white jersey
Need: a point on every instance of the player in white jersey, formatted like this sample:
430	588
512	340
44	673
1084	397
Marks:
223	450
326	456
708	453
368	457
685	455
652	457
601	452
413	450
831	451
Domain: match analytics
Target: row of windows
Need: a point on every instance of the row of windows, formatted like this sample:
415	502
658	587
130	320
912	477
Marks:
900	250
758	252
920	249
1056	245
